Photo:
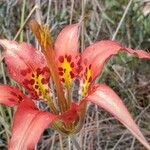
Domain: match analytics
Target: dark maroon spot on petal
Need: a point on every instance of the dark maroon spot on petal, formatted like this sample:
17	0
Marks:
20	98
72	64
78	63
23	72
33	75
45	69
80	68
38	71
61	59
69	58
72	74
26	82
36	86
13	93
61	73
90	79
60	68
44	81
28	70
34	94
90	66
11	99
32	81
62	79
85	75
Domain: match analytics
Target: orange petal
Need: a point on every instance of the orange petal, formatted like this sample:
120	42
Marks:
106	98
10	96
29	123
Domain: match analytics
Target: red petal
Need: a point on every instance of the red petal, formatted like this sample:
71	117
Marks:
29	124
10	96
106	98
67	40
97	53
23	63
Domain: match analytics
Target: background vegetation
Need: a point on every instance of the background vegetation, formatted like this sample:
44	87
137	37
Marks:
127	21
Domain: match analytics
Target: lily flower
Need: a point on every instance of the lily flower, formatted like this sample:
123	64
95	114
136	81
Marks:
50	76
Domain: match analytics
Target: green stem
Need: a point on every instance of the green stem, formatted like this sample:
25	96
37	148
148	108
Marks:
22	19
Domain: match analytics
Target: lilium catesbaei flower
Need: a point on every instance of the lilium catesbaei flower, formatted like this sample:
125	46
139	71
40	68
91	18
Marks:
50	76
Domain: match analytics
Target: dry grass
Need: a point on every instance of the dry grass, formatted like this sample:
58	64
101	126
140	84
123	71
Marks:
121	20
